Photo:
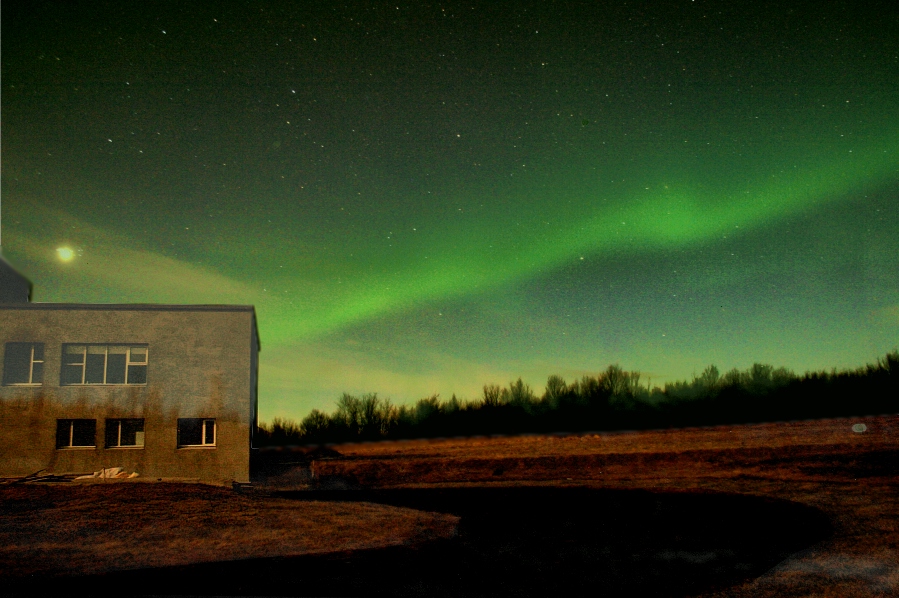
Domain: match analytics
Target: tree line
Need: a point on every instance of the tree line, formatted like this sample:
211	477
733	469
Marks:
614	399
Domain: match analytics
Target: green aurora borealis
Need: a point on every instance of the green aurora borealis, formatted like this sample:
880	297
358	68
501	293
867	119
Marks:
424	199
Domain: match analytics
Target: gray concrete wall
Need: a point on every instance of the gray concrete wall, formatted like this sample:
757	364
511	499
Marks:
201	364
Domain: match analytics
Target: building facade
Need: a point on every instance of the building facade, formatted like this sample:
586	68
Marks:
14	288
166	391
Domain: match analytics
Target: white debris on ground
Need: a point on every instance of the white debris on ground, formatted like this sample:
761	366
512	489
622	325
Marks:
109	473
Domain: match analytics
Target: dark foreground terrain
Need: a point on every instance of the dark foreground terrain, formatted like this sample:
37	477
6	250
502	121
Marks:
783	509
523	541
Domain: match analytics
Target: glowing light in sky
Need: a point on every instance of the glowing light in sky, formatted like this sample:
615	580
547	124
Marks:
65	253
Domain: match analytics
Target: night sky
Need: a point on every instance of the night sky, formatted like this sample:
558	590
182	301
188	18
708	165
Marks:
426	198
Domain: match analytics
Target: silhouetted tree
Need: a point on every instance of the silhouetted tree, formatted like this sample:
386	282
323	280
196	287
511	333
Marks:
609	400
556	392
520	395
709	378
492	395
347	420
315	426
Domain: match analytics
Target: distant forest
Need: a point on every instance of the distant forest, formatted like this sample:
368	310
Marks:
613	400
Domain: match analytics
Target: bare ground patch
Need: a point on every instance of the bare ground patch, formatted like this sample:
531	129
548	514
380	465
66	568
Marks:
70	529
852	477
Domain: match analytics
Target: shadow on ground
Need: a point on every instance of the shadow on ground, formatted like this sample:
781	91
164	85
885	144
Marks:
521	541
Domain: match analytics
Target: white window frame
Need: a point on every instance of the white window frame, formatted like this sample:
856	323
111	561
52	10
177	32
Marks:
33	361
72	434
118	423
206	421
128	362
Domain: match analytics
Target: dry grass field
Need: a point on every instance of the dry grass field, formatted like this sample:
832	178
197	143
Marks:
78	529
851	477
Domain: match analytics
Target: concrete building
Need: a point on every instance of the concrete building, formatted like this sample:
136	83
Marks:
14	288
167	391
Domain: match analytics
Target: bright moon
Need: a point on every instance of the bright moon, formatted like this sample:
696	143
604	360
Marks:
65	254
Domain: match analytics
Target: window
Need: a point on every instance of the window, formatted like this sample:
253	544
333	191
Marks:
75	433
23	363
123	433
196	432
104	364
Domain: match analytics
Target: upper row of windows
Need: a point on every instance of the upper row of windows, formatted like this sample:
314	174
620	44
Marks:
23	364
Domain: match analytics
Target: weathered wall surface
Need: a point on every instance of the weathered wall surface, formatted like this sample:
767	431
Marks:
201	364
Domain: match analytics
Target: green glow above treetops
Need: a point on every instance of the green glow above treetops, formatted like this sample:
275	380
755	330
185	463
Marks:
482	256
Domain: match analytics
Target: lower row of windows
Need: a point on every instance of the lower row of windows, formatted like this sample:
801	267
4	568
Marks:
129	433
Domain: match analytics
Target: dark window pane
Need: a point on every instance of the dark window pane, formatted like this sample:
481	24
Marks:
38	351
37	373
115	368
190	431
210	432
16	363
93	373
132	432
112	432
73	354
124	432
84	431
137	374
63	428
71	374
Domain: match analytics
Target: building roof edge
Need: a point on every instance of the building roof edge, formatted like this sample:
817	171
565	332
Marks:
127	307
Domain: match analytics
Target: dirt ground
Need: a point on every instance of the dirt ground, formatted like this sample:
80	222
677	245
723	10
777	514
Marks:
78	529
852	476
